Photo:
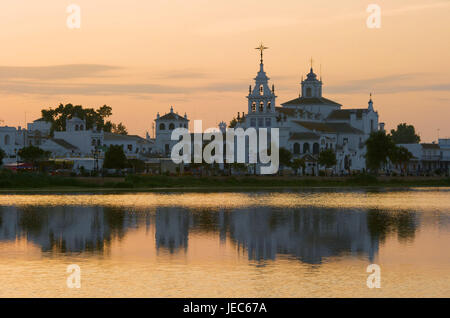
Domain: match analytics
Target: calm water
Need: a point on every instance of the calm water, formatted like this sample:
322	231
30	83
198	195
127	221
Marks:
234	244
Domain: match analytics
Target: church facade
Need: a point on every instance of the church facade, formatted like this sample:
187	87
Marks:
311	123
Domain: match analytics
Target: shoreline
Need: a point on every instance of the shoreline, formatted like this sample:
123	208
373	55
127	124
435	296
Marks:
33	182
100	190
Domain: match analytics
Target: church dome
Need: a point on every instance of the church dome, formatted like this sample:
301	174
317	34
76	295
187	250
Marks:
311	76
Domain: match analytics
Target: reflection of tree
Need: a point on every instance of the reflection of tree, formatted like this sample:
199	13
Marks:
115	218
31	220
66	229
383	223
206	220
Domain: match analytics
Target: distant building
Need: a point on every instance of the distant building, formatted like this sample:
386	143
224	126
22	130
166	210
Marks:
428	158
164	126
76	141
37	132
10	142
135	147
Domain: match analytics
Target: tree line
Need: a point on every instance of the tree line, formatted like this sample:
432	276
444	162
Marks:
97	118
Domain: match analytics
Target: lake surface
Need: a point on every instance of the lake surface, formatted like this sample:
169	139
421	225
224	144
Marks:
315	243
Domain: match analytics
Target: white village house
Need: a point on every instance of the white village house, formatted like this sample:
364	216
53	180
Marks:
75	143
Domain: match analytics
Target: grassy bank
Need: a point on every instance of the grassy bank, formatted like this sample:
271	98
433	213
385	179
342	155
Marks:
275	181
9	180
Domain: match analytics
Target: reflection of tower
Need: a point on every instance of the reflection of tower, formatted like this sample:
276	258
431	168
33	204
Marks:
172	228
308	234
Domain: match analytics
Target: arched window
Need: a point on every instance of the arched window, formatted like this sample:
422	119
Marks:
261	90
162	126
253	107
308	92
77	128
81	127
261	106
316	148
269	104
305	147
93	143
171	126
7	138
296	148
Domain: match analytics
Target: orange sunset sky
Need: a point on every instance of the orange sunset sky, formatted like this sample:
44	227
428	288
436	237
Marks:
141	57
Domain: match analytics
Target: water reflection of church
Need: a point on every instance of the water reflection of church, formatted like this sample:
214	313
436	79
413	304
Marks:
307	234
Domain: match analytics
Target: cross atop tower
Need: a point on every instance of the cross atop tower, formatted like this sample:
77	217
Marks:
312	62
261	48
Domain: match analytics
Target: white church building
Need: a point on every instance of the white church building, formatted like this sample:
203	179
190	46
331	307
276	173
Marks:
311	123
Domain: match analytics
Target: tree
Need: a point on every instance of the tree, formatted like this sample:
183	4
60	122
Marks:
401	156
379	148
327	158
93	117
137	165
119	129
297	164
405	134
32	154
233	123
285	157
115	158
2	155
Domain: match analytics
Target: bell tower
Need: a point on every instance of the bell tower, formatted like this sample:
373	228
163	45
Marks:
261	99
311	86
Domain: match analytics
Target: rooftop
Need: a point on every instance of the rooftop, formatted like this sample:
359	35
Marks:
329	127
315	101
304	136
172	116
115	137
64	144
430	146
344	114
